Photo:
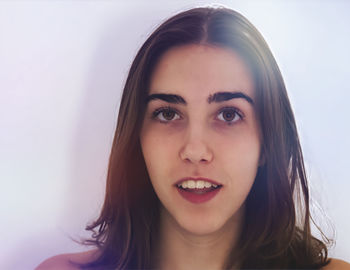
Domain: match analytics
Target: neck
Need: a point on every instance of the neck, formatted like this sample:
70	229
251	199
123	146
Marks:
178	249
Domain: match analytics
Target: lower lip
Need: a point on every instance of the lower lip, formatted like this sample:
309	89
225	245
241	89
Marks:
198	198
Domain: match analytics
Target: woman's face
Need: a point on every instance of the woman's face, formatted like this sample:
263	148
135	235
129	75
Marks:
200	134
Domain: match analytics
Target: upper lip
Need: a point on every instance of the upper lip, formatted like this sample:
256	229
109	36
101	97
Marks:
197	178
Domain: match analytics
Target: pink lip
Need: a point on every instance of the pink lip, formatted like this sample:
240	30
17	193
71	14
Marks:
195	197
197	178
198	198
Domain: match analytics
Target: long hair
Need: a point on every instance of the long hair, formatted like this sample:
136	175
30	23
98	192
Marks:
275	233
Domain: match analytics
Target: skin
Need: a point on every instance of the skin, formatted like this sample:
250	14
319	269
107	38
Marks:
197	141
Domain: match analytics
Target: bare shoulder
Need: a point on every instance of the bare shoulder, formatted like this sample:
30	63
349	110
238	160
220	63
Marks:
337	264
63	261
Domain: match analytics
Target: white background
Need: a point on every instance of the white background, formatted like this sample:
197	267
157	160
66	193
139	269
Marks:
62	68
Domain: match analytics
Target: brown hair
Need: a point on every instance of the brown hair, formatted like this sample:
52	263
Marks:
128	223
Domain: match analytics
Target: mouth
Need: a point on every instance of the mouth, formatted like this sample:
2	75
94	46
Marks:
197	190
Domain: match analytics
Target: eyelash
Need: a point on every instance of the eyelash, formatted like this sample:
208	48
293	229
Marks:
172	110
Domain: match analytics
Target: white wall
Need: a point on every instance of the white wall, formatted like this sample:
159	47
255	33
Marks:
62	67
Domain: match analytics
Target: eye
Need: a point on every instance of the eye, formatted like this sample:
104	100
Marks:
166	114
230	115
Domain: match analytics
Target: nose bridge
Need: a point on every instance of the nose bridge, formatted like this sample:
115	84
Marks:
195	146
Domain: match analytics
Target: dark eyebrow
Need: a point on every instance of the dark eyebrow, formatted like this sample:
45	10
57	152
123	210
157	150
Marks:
217	97
223	96
175	99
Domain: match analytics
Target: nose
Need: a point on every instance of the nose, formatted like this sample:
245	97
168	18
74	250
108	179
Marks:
195	149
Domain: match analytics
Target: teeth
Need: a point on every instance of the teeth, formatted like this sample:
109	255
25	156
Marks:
191	184
196	184
200	184
207	184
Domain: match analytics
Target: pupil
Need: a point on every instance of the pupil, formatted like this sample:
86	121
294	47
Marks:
230	114
167	114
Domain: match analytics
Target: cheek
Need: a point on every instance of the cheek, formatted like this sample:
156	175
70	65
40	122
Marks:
157	152
240	157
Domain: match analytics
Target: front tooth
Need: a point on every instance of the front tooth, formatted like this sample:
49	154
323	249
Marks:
191	184
207	184
200	184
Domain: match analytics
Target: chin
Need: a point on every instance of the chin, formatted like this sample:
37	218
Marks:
207	224
200	227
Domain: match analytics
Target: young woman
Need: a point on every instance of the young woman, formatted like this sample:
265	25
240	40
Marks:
206	169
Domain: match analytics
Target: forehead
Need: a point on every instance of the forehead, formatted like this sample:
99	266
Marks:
197	71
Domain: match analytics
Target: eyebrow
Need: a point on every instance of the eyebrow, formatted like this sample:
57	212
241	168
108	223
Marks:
216	97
